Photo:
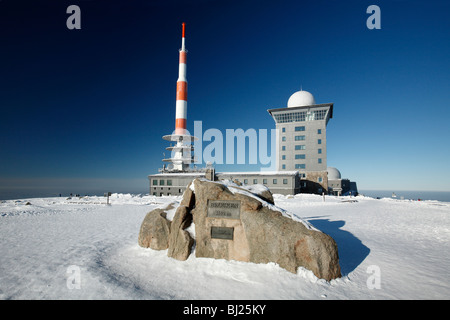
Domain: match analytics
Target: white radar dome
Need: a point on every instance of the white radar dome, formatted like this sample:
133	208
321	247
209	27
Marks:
300	99
333	173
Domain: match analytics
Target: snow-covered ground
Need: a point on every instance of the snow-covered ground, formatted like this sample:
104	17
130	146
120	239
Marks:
54	248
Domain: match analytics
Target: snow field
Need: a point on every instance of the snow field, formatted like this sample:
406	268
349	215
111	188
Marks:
408	241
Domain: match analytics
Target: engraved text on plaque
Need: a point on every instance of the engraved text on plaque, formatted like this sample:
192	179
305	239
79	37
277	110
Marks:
227	209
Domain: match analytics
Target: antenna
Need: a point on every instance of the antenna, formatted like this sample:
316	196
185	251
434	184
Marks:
183	38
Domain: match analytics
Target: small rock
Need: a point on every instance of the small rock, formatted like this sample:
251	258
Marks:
155	229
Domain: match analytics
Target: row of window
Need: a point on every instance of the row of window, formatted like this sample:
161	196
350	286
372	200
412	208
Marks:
155	188
297	156
298	165
264	181
301	147
162	193
300	116
300	138
168	191
301	128
161	182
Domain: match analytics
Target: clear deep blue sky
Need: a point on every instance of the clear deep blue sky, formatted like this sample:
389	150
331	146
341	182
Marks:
86	109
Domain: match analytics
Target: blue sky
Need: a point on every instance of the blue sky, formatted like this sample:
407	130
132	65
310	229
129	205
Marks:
87	108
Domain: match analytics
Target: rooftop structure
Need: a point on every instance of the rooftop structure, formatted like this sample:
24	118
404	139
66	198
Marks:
301	99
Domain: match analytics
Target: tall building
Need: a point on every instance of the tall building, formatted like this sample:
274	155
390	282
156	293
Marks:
302	139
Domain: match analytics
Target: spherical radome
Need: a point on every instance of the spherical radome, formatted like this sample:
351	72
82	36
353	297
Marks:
333	173
300	99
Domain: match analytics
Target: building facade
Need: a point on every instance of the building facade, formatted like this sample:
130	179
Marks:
166	184
302	139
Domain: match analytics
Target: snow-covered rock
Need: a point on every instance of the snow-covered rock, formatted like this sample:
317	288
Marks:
259	232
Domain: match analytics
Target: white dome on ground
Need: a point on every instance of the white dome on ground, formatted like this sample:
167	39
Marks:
333	173
300	99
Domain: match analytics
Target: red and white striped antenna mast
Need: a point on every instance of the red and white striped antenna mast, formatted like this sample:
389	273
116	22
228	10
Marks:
181	156
181	104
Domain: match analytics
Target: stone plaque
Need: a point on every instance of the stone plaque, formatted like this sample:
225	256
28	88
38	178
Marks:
222	233
228	209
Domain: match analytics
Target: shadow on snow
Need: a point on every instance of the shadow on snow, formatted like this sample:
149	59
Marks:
350	249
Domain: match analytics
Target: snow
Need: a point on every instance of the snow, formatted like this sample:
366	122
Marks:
43	242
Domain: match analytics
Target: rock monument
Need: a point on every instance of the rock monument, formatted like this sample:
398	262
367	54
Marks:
240	223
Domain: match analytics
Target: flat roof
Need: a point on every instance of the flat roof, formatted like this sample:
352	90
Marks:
245	173
179	174
304	107
261	173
